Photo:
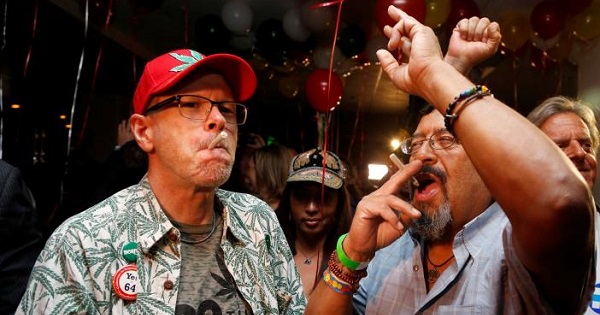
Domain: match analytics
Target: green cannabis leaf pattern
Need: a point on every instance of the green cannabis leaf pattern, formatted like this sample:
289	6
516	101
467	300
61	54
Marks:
73	274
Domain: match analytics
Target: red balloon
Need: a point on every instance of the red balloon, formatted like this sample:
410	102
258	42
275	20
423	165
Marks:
322	96
547	19
461	9
414	8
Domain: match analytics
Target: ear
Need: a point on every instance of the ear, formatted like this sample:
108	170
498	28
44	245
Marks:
142	132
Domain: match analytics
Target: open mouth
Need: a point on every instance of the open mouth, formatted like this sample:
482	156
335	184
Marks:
424	180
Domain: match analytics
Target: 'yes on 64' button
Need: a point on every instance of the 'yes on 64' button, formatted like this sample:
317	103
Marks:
125	282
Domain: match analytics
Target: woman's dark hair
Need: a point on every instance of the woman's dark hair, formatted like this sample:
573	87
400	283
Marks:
341	223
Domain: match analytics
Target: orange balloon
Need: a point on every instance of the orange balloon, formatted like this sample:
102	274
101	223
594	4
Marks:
437	12
586	26
515	30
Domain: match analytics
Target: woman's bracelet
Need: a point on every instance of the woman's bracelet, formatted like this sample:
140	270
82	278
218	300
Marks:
352	277
338	285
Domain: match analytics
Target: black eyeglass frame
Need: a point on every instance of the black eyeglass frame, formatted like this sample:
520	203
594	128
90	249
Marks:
431	140
175	100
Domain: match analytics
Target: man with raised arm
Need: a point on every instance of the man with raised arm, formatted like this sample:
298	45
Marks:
501	222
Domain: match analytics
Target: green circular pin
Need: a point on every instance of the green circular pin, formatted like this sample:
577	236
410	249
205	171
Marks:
130	252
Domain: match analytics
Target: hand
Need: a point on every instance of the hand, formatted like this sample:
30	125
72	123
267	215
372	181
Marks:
381	217
473	41
411	39
124	134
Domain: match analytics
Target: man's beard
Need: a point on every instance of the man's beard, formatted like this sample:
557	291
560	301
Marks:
433	222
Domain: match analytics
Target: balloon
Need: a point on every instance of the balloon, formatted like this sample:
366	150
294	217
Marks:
515	30
561	49
288	85
375	43
242	43
293	26
437	12
352	40
272	41
316	19
547	19
574	7
539	60
415	8
237	17
322	57
321	95
544	44
461	9
586	26
211	35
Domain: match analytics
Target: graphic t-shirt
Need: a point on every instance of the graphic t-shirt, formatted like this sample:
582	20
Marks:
206	287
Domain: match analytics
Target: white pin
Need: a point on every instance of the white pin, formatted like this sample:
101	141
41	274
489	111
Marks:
125	282
220	137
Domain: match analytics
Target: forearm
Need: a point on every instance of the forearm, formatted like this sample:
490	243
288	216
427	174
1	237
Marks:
459	65
496	137
324	300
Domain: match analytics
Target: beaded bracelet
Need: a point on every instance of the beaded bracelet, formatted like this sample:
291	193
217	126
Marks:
465	98
338	285
349	277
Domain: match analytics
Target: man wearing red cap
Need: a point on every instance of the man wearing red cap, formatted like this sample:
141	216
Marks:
175	243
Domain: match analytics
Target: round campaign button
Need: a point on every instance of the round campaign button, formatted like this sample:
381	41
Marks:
130	252
125	282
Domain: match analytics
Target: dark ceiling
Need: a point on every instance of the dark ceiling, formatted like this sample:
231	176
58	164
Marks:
52	66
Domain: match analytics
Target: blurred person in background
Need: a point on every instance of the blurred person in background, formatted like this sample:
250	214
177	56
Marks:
314	211
20	234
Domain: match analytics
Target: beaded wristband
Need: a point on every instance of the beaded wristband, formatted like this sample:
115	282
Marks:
344	259
338	285
351	278
465	97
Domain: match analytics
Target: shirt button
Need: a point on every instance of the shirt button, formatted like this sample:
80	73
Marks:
168	285
415	268
173	237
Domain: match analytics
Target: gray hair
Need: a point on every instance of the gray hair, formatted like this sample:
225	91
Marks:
561	104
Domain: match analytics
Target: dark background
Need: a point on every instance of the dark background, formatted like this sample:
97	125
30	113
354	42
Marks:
52	66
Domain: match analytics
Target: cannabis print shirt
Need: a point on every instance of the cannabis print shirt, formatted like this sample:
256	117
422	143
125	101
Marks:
74	272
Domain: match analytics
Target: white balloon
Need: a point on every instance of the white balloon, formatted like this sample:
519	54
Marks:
322	57
293	26
237	17
316	19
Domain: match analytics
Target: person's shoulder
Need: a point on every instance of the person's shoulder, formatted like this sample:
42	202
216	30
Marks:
99	215
244	204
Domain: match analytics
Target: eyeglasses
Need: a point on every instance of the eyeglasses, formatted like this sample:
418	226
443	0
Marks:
196	107
438	141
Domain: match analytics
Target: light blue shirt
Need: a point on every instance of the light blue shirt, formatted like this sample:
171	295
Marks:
485	278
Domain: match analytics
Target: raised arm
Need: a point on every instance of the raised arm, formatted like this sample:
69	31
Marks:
544	197
473	40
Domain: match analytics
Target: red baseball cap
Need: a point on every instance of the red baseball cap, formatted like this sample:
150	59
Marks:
163	72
